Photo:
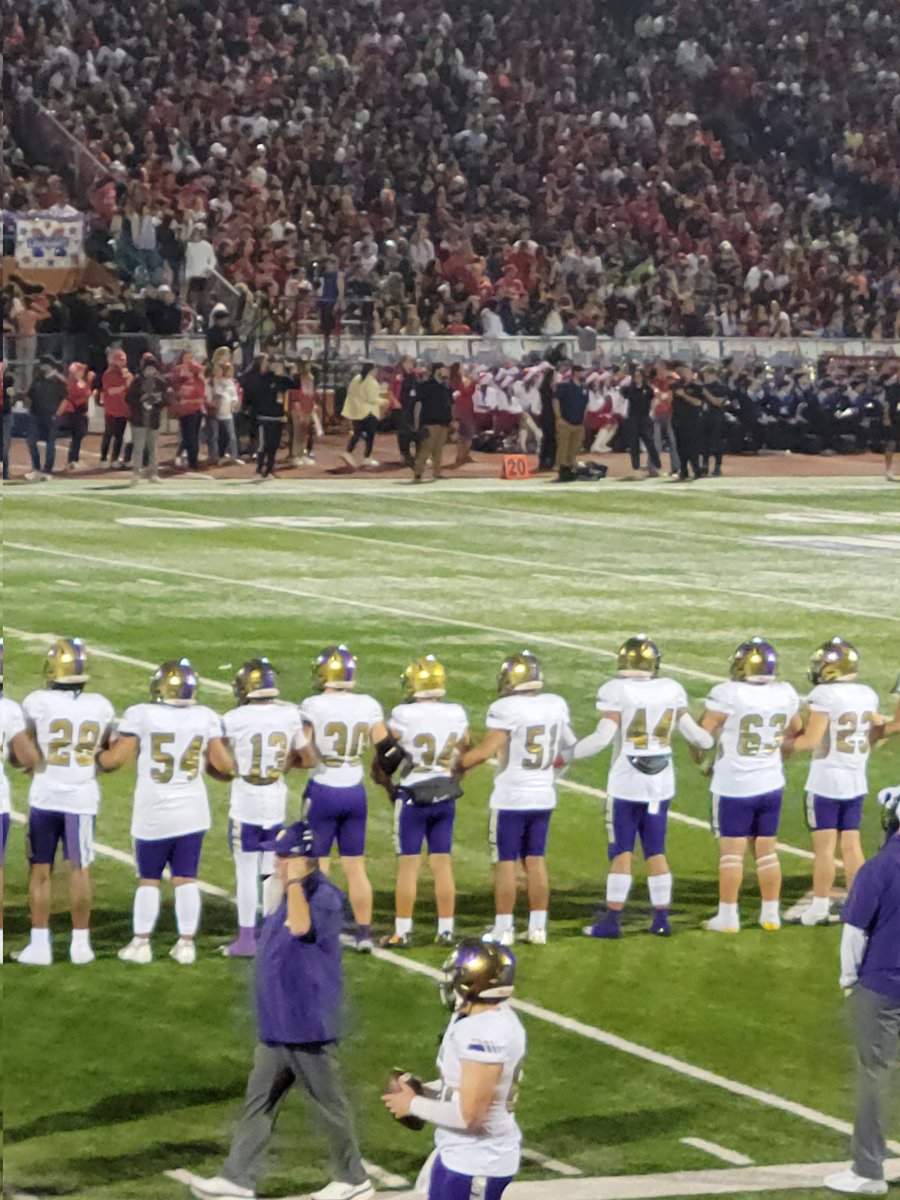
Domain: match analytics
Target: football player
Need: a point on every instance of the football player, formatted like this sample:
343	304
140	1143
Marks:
842	715
172	739
526	730
638	713
266	739
339	724
751	716
472	1105
19	748
69	725
429	734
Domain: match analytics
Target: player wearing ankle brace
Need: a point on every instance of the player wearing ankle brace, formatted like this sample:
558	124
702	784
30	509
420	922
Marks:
472	1105
638	712
751	715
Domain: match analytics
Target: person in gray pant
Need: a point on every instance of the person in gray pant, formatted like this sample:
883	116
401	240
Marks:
299	986
147	396
870	977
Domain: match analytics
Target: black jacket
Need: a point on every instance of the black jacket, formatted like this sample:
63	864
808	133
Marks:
639	397
46	394
433	404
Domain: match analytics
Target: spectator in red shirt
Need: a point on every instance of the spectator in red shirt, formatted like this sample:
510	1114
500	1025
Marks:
113	386
190	405
463	385
73	411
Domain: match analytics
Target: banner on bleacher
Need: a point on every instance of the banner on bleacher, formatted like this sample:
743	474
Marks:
44	241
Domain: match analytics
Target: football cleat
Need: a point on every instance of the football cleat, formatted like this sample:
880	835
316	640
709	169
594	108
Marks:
505	937
770	926
256	680
66	662
753	662
138	951
718	925
364	943
396	941
175	682
184	952
660	924
81	955
220	1189
244	946
833	661
606	927
35	956
638	657
335	667
445	939
477	971
424	679
534	937
519	673
889	799
345	1191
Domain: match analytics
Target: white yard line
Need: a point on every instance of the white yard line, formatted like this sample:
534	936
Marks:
521	636
550	1164
681	818
584	570
717	1151
68	583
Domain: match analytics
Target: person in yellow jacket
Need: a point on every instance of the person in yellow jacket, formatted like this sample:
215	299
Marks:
365	403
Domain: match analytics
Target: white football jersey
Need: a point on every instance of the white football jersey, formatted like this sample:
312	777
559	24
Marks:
748	756
170	797
68	727
838	767
431	732
262	736
342	725
648	711
12	723
493	1036
539	725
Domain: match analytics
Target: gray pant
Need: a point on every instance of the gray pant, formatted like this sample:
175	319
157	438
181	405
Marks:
876	1030
141	438
275	1070
662	428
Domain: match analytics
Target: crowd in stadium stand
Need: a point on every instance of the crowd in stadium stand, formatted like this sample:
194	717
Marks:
643	166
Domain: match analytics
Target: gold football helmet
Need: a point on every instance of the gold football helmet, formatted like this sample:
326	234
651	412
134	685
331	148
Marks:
424	679
833	661
335	667
639	657
256	680
477	971
754	662
66	662
519	673
175	683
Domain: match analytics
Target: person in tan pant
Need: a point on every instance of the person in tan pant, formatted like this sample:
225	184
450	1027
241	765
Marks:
570	401
432	415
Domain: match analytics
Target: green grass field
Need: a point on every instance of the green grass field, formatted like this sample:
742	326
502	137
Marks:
114	1075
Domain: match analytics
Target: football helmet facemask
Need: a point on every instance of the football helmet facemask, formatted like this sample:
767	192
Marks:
833	661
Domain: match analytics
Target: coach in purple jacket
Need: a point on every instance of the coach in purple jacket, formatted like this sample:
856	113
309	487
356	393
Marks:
299	990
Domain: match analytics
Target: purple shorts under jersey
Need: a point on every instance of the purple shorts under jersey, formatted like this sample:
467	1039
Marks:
428	823
842	815
450	1185
5	834
180	854
519	833
242	836
46	829
628	820
747	816
337	815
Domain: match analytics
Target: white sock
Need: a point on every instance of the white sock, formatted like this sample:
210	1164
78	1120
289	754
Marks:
81	937
1	944
40	938
770	911
146	910
537	920
187	909
660	889
503	922
246	870
445	924
729	914
617	888
403	925
820	906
